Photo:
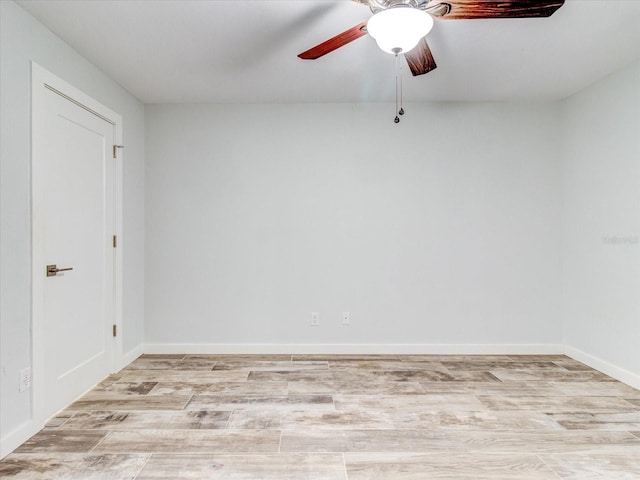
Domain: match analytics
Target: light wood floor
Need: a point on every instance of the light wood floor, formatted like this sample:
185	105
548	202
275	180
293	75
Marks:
324	417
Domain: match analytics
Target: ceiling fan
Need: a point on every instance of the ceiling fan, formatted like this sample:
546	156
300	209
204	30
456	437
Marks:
399	17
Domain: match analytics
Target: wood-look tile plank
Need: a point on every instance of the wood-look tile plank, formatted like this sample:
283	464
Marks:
585	389
270	366
106	401
110	467
486	365
398	365
367	375
125	388
171	364
367	441
40	466
245	467
222	388
539	389
246	402
69	441
59	419
403	466
190	441
197	376
354	388
566	404
310	376
114	377
540	357
461	358
335	420
399	404
571	364
479	388
594	466
147	420
312	441
449	419
432	376
569	441
598	421
543	375
222	357
255	419
163	356
348	357
469	442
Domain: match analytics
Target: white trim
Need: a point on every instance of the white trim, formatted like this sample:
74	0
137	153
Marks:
118	266
603	366
389	349
17	437
130	356
41	77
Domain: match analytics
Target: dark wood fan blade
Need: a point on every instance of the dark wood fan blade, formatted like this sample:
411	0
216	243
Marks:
420	59
465	9
336	42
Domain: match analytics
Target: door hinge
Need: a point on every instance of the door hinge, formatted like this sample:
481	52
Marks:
115	147
115	330
115	241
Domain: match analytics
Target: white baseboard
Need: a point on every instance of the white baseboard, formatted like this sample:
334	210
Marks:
131	355
381	349
17	437
603	366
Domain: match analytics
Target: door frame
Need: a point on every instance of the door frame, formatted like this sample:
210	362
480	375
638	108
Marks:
41	81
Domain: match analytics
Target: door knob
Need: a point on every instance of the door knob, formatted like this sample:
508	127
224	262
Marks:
52	270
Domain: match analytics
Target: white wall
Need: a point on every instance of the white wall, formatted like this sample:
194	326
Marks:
443	229
601	220
24	39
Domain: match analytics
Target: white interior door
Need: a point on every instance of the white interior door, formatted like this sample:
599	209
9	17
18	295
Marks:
73	222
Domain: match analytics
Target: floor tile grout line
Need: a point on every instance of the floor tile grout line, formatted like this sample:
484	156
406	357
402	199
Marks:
107	433
344	463
184	407
149	455
539	456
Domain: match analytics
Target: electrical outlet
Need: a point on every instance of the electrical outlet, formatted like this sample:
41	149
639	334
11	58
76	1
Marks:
315	319
346	318
25	380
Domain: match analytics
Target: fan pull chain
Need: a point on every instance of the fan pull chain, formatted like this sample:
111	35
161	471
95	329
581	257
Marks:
399	111
397	118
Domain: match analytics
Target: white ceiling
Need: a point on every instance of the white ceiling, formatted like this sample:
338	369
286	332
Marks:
236	51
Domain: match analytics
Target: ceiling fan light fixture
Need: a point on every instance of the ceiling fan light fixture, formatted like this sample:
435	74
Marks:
399	29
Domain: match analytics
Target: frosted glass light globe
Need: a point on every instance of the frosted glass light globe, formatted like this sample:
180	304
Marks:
399	29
